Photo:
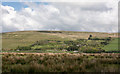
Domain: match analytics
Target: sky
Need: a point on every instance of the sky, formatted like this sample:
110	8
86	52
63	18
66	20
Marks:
60	16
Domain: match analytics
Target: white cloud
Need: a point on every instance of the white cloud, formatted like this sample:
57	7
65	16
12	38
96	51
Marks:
83	16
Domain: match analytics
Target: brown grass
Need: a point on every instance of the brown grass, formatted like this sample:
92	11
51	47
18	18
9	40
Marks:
60	62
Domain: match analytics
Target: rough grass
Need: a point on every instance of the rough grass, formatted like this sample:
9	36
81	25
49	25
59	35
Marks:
60	62
24	38
14	39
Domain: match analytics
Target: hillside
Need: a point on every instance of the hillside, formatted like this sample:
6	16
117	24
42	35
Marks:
11	40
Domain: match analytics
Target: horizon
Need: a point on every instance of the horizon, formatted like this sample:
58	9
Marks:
56	31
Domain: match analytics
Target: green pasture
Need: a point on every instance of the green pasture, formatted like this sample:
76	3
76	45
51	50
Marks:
113	45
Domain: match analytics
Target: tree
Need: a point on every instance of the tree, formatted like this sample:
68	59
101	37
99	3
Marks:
90	36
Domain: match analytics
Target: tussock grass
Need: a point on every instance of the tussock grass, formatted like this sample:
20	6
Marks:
61	62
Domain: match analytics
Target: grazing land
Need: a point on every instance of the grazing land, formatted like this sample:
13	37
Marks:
60	51
112	46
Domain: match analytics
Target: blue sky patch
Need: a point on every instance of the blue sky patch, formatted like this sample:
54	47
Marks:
19	5
15	5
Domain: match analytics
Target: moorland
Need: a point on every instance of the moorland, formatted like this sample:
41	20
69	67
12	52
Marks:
60	51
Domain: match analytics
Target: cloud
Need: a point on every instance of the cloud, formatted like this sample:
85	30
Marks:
83	16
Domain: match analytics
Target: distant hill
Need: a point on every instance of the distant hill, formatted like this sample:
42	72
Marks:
11	40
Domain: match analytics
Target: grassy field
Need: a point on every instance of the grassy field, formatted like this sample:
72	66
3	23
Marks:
12	40
24	38
60	62
112	46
